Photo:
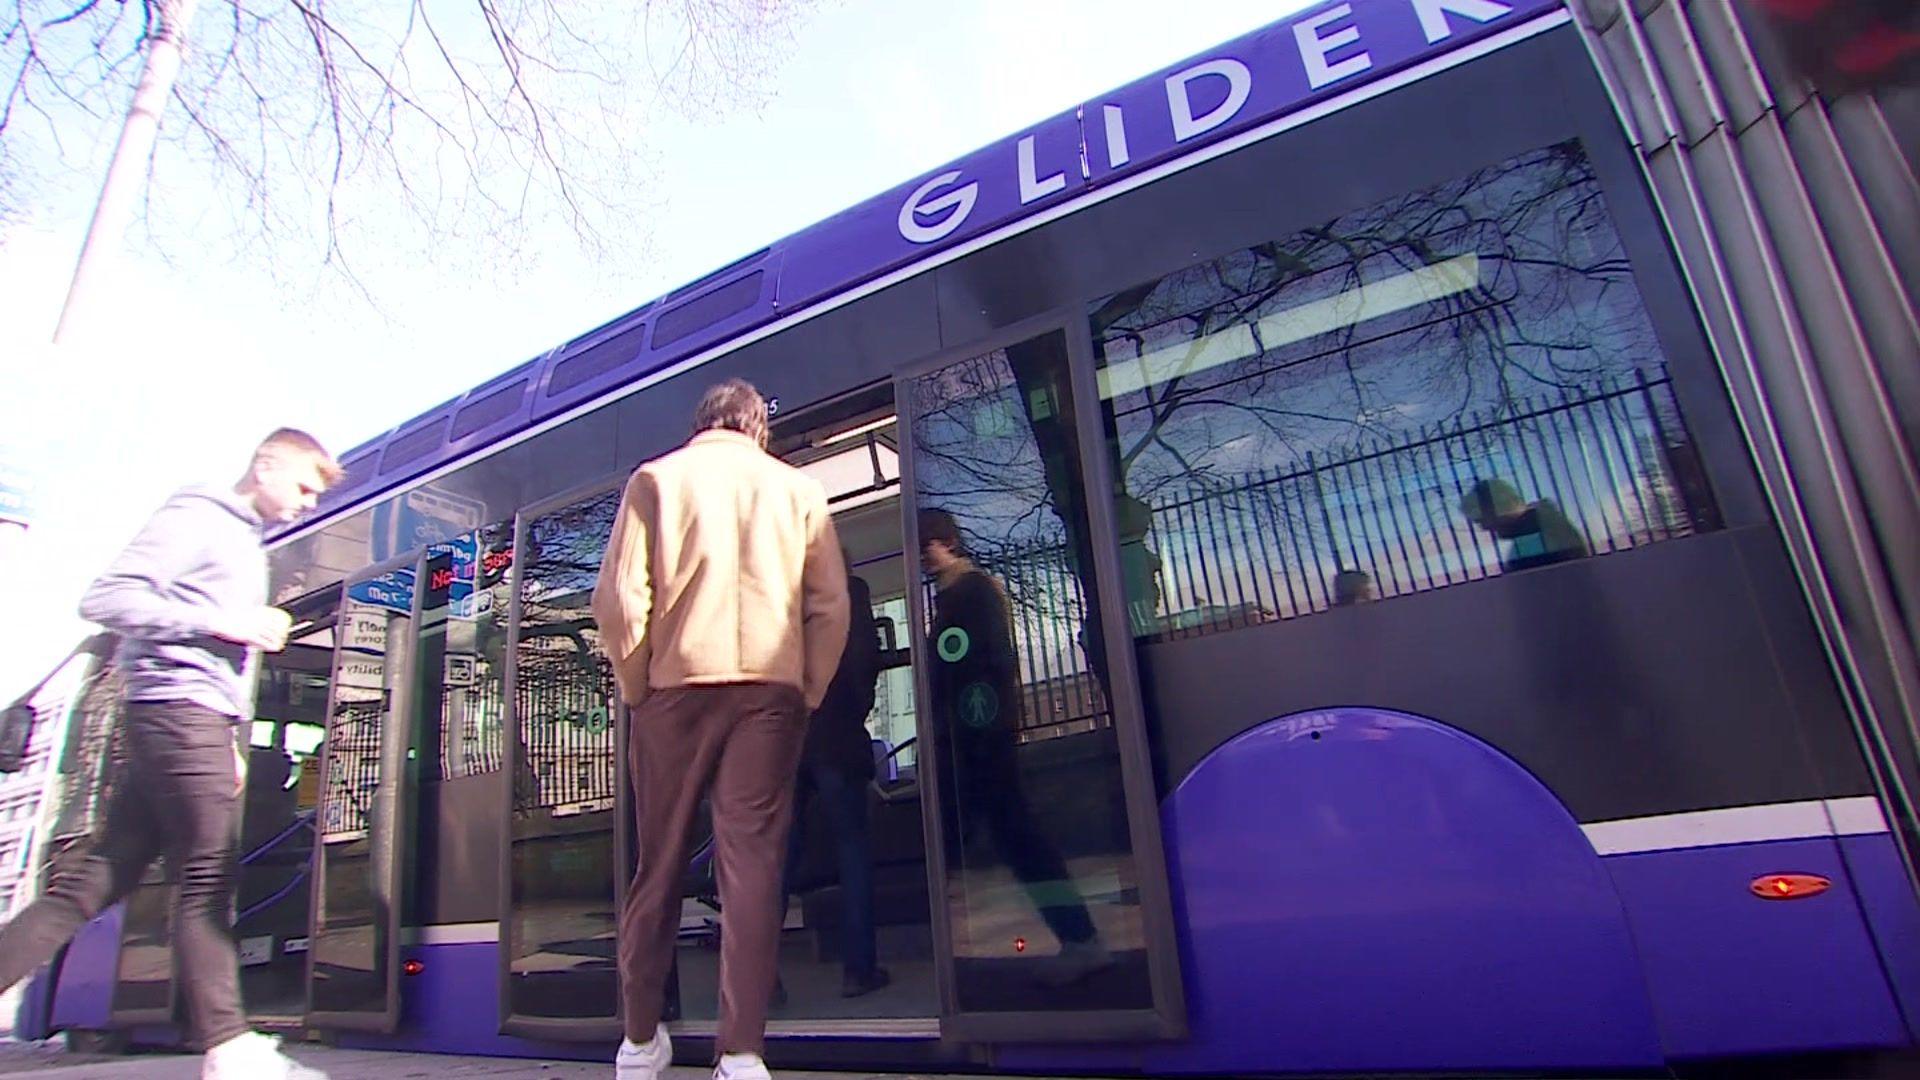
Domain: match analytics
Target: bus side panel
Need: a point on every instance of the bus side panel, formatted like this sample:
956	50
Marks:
84	996
1893	915
1730	973
1368	890
451	1007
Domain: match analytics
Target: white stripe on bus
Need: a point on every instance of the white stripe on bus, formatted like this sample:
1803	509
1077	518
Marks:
1738	825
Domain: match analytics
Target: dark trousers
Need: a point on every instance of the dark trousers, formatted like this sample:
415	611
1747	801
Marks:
991	795
843	799
743	742
176	800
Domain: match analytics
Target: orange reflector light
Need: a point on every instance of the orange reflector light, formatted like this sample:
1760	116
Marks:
413	967
1019	944
1789	886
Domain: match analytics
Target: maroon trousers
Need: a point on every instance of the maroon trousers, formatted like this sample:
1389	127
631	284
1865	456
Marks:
742	741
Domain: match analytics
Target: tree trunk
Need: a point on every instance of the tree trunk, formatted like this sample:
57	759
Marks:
137	137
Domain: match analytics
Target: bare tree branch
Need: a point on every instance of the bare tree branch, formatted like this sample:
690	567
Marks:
334	126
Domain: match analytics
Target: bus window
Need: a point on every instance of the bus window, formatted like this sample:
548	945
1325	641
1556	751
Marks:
1458	383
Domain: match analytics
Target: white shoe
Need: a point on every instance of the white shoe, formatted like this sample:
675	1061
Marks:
741	1067
648	1062
1076	961
253	1056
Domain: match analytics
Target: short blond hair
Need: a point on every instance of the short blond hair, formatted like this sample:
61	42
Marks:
292	442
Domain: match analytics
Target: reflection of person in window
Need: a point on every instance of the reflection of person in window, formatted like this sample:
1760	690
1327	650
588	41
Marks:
1139	564
975	686
1537	534
1352	587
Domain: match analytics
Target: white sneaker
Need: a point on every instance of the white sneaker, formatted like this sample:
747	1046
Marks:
253	1056
648	1062
1076	961
741	1067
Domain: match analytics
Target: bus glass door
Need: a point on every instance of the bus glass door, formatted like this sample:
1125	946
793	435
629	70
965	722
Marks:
1051	908
565	836
353	956
273	891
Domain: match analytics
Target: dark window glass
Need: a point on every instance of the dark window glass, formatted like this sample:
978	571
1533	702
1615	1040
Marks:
1044	909
596	360
560	932
349	947
707	309
491	409
463	654
1457	383
413	446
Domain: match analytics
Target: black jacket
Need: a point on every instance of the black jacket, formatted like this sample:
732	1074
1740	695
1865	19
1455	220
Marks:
837	735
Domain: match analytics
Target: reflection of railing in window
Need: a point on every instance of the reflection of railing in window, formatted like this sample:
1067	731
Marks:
353	769
1060	695
1615	462
472	715
92	758
564	703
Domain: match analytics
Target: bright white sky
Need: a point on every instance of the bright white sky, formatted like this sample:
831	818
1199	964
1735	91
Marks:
202	357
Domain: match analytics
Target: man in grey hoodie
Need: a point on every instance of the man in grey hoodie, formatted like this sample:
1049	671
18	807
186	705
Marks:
188	598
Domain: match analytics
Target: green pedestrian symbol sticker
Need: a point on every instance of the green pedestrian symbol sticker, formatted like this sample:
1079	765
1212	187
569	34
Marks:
952	644
978	705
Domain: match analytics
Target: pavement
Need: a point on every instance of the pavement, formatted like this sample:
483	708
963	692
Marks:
51	1062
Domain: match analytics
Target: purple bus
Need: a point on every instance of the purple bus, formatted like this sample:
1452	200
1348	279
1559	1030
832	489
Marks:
1427	647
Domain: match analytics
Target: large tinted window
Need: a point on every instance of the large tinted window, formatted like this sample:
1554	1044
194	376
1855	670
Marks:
1454	384
560	930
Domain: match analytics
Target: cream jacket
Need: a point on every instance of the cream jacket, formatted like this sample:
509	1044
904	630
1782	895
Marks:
723	568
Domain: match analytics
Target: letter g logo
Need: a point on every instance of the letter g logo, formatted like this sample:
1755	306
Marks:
955	204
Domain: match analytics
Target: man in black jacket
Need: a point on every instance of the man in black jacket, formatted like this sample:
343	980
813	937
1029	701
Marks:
836	765
976	691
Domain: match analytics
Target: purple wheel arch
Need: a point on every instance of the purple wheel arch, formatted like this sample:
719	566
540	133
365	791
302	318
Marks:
1368	890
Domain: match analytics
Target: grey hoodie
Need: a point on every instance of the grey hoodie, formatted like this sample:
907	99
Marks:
198	556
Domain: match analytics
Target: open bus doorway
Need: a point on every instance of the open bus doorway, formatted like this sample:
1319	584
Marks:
273	903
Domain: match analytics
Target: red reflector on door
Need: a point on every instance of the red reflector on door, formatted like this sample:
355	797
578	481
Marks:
1789	886
413	967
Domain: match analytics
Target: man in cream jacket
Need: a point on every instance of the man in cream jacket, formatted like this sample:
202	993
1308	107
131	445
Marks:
722	602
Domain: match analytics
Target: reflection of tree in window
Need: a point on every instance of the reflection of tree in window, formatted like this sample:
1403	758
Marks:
472	695
564	685
993	443
1315	408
